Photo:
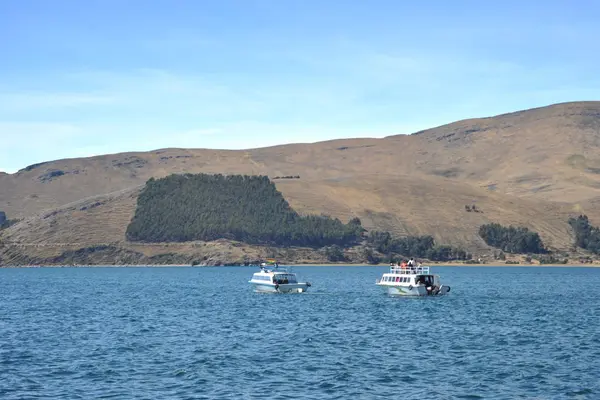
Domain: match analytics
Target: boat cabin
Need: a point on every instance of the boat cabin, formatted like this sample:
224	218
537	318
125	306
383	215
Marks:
398	279
284	278
280	278
261	277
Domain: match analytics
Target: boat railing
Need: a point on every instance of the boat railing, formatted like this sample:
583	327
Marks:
397	269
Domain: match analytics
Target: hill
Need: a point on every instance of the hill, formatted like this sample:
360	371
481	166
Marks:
534	168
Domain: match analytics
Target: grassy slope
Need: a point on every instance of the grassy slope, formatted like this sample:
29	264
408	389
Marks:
531	168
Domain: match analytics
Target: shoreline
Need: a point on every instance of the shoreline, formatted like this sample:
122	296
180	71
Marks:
459	265
451	265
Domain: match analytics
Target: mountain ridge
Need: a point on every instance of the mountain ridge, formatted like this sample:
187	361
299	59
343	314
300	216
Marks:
534	168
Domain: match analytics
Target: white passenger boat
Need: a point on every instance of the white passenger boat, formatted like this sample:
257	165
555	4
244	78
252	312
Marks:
411	281
277	280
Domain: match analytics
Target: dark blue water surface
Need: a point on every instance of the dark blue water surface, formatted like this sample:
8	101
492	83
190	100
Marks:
202	333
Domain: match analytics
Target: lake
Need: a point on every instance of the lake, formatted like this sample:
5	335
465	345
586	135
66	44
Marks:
202	333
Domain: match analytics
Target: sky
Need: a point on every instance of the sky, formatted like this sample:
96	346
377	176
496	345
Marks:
83	78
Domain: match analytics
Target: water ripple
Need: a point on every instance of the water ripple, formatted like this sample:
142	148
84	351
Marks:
182	333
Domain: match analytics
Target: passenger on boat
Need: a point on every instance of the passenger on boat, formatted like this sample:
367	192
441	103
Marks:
411	264
403	264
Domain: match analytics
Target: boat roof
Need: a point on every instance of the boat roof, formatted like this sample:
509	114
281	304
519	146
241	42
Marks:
276	271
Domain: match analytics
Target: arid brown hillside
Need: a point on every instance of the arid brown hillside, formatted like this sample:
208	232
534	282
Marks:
532	168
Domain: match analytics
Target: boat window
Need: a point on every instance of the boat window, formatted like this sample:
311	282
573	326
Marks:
284	279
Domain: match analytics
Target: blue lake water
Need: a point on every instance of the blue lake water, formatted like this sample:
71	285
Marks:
202	333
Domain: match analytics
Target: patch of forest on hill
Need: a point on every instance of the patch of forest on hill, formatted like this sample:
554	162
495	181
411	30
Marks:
512	239
249	209
586	236
414	246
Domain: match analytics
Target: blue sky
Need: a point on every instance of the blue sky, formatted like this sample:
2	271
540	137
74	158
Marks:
81	78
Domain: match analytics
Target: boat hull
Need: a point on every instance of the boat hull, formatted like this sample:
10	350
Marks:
400	290
281	288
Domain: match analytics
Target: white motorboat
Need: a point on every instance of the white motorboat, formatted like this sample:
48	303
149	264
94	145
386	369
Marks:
411	281
277	280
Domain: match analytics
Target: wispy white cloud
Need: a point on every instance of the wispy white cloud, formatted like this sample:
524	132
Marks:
47	141
36	134
26	143
14	102
163	93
